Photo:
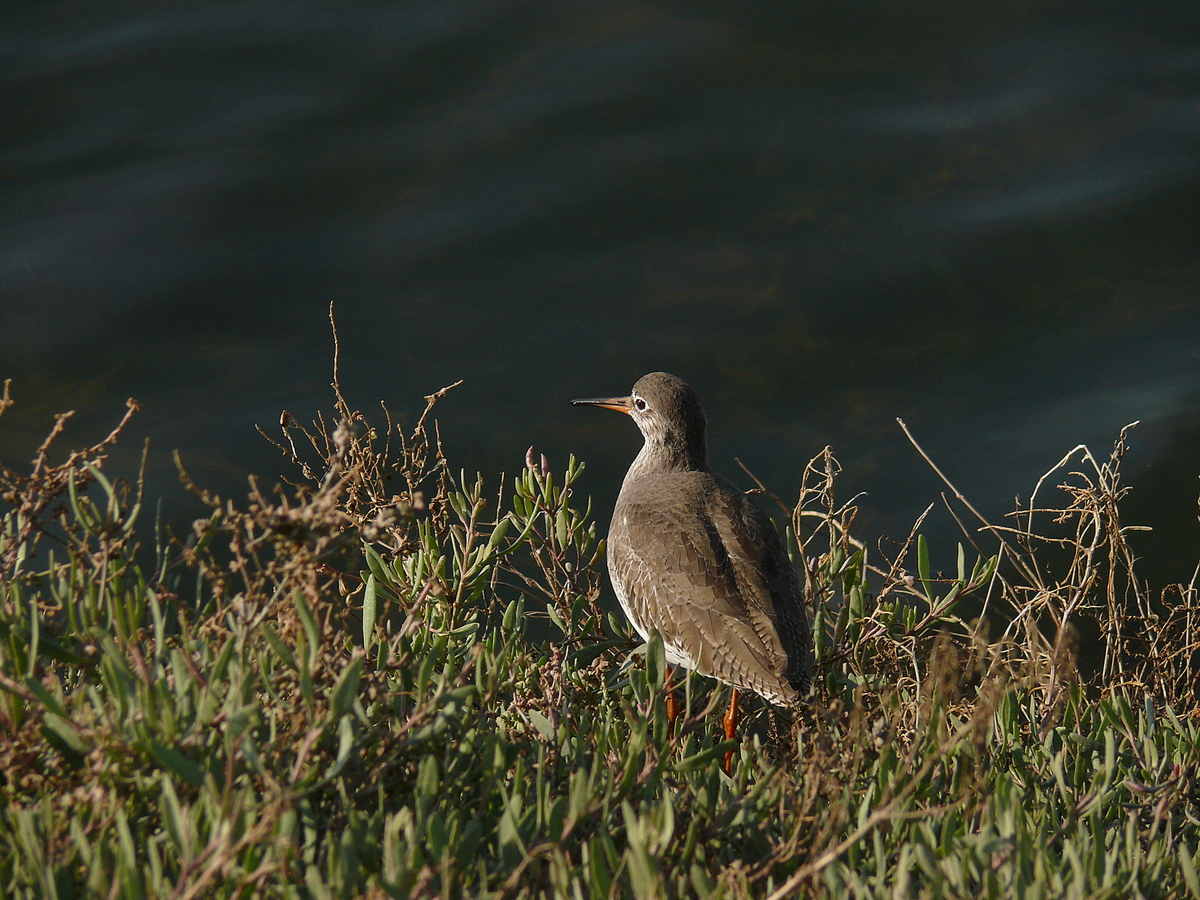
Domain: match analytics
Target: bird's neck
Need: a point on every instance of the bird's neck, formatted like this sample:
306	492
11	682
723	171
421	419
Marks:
669	455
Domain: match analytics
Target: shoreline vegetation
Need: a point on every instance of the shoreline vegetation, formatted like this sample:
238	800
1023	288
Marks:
391	679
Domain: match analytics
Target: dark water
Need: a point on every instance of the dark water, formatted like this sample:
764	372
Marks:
983	218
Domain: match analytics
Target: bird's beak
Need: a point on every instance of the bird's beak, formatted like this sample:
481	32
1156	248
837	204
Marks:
620	404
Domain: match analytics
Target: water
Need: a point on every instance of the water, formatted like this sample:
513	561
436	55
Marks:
982	218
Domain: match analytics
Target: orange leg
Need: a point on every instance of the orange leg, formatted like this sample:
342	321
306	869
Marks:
672	700
731	721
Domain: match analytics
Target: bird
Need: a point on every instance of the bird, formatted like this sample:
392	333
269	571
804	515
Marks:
691	557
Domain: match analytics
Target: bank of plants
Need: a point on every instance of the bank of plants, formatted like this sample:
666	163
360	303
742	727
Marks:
389	678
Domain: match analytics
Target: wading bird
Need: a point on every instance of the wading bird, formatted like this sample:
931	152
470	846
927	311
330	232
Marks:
691	557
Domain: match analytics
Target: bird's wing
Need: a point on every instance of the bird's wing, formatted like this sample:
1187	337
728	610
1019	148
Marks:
772	589
703	589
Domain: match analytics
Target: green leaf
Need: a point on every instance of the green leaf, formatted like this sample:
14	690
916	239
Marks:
375	563
35	630
562	526
174	819
699	761
345	744
656	660
498	535
346	690
556	618
127	858
52	647
508	834
585	656
983	571
923	565
174	761
311	631
542	723
51	702
67	732
369	611
1187	868
701	882
281	649
643	873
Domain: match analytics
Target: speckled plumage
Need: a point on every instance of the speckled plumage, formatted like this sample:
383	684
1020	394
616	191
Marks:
691	556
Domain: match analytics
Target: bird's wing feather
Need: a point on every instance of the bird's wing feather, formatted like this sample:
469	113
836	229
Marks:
776	585
704	589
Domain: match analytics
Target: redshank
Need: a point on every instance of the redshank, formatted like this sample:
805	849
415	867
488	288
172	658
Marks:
691	557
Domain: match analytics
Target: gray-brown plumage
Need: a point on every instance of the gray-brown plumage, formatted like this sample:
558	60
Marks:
691	557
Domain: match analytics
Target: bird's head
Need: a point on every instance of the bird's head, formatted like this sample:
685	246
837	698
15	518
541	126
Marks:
668	413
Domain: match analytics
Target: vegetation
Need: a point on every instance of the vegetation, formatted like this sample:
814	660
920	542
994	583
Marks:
386	681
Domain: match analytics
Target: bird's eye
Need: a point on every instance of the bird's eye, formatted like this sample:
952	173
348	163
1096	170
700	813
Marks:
639	403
